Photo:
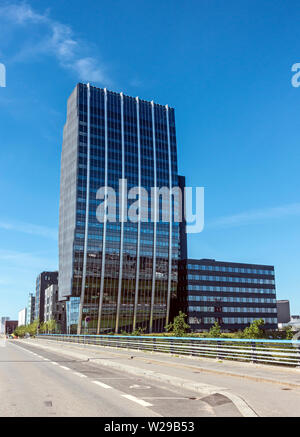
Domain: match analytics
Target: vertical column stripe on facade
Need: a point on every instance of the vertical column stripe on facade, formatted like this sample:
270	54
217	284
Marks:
86	212
136	296
170	218
154	223
105	215
121	216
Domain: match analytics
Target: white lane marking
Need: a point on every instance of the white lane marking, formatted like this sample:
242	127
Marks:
138	401
55	364
65	368
79	374
101	384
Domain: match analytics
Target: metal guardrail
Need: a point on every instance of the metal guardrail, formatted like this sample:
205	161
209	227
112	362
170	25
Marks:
278	352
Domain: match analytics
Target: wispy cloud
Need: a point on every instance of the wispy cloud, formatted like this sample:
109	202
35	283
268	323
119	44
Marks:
29	228
254	216
56	39
25	260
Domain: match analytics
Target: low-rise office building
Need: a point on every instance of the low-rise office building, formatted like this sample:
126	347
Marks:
43	281
283	311
232	294
10	326
54	309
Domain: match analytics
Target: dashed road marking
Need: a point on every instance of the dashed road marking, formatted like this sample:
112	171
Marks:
79	374
101	384
64	367
138	401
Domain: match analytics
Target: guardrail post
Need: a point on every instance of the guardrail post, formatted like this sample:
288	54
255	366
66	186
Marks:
253	352
172	346
154	344
193	354
219	357
298	355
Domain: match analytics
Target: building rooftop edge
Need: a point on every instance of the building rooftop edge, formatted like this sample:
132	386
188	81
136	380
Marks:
125	95
207	260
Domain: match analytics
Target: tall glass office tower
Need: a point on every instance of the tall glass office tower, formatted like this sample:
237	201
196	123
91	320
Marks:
116	276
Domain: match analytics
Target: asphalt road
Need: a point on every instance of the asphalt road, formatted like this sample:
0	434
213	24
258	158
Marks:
39	383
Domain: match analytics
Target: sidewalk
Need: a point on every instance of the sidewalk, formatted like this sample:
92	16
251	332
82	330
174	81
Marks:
252	387
282	375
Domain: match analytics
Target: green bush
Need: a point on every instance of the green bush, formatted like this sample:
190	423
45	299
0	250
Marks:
215	330
254	330
179	327
138	331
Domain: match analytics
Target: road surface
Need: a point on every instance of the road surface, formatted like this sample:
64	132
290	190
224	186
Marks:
35	382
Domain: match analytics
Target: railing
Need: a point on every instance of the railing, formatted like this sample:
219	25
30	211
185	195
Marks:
277	352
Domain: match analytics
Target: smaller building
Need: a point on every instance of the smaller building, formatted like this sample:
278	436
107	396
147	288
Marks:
30	309
2	324
43	281
10	326
22	317
232	294
293	323
283	311
54	309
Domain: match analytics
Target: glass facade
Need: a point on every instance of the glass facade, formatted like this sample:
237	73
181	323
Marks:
118	276
30	309
232	294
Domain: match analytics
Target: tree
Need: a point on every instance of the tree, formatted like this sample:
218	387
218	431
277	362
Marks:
32	328
179	327
51	326
289	334
215	330
43	328
254	330
20	331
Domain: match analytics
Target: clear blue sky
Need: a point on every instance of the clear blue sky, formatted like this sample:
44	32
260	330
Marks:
226	68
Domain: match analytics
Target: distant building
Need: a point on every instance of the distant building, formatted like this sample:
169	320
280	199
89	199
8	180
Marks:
43	281
30	309
54	309
294	323
232	294
2	324
72	314
22	318
10	326
283	311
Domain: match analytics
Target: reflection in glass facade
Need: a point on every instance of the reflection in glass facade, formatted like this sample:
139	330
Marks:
121	275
